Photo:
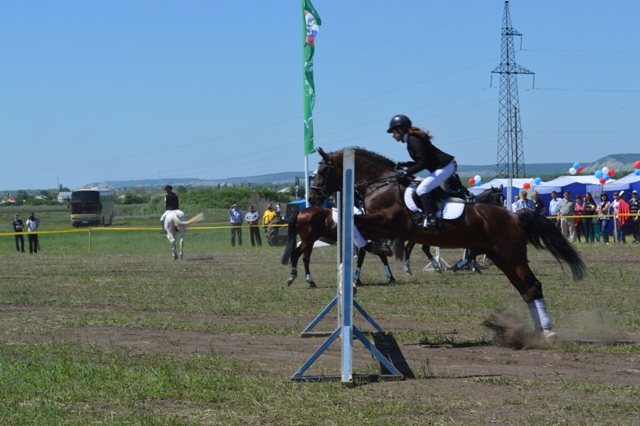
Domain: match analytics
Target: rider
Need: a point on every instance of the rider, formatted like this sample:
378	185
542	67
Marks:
171	203
425	157
454	184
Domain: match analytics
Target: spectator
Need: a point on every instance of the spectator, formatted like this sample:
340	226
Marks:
634	206
32	226
278	210
524	203
252	218
622	217
514	206
235	218
566	209
18	226
268	218
554	204
604	211
588	210
538	204
171	202
578	221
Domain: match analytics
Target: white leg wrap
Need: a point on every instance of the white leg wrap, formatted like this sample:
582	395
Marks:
545	321
356	274
387	271
309	278
534	314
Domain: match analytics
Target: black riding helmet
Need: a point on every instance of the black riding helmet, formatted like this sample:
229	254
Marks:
399	120
168	188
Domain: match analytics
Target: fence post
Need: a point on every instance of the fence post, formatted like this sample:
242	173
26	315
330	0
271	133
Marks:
89	239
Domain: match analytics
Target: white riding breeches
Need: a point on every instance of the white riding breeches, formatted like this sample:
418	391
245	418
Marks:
435	179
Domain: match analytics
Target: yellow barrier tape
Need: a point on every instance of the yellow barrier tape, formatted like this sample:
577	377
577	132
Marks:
157	229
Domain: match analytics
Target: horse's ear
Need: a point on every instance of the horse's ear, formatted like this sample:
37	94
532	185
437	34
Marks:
323	154
501	187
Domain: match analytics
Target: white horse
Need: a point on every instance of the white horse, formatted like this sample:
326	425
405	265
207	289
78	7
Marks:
175	222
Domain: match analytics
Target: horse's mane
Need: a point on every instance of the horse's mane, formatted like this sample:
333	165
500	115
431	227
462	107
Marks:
374	157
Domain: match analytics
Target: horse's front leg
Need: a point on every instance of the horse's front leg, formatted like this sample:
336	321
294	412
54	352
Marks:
181	244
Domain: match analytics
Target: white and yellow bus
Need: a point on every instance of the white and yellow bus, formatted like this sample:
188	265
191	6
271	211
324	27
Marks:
91	207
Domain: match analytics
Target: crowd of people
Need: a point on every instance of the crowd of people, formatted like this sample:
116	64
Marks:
593	216
271	215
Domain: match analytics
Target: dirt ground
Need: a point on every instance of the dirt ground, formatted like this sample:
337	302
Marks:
284	354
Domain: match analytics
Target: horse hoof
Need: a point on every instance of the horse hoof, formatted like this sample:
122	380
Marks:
175	257
549	336
312	284
290	280
392	280
357	283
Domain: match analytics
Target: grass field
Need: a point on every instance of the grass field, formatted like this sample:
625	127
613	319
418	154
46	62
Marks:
122	334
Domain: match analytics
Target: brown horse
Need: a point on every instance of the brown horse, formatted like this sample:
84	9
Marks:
314	223
502	235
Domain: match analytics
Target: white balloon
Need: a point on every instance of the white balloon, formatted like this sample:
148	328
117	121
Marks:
532	181
477	178
572	171
605	170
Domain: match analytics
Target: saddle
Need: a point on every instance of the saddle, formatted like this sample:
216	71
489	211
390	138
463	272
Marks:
440	196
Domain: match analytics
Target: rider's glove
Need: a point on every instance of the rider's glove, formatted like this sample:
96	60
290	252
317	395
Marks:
401	165
401	174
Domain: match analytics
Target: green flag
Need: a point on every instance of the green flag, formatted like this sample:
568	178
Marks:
310	25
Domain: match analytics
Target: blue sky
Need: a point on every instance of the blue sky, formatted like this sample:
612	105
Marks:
119	90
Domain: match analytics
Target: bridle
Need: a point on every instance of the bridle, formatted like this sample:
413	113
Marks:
325	177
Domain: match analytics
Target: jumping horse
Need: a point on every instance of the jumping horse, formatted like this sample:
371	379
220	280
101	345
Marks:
495	231
175	223
312	224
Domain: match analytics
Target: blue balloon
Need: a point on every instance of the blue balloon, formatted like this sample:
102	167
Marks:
637	172
478	182
538	181
606	177
576	166
599	174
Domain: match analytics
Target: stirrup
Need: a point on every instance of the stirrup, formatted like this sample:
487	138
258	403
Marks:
431	224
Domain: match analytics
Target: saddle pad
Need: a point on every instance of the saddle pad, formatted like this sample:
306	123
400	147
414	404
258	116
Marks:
336	218
451	211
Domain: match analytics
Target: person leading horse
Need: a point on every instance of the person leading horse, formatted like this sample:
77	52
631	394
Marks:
425	156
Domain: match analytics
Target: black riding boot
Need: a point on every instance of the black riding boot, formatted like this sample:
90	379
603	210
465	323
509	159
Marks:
430	208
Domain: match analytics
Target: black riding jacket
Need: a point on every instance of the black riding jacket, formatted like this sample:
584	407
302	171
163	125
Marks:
425	156
453	184
171	202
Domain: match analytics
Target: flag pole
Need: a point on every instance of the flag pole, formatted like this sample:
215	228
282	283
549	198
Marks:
310	25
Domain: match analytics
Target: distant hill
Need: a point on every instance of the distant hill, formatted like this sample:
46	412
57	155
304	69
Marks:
619	162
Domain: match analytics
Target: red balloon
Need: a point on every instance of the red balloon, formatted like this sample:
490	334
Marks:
526	185
611	172
472	181
637	164
602	181
579	170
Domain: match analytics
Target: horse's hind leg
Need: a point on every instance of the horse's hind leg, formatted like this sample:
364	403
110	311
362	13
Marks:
387	270
295	255
530	289
181	245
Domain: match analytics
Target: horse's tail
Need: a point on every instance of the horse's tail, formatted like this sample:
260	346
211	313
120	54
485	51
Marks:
542	234
197	218
292	231
398	248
